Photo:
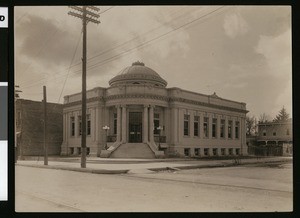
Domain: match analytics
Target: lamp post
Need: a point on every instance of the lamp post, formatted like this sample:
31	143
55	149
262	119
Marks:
159	128
105	128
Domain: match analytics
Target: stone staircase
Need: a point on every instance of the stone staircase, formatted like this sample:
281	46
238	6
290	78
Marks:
133	150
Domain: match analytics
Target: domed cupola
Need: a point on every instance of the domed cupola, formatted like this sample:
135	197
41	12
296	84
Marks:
137	74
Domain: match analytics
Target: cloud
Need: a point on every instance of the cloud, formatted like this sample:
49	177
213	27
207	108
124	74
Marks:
277	52
234	25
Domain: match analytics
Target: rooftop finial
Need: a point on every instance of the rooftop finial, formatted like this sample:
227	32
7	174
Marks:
138	63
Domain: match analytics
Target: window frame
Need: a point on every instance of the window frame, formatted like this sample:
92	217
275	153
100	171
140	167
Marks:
214	128
186	125
206	127
222	128
197	126
72	125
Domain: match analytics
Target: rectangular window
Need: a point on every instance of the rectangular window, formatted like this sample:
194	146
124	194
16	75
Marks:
187	152
237	151
196	125
222	129
88	126
222	151
186	124
206	151
205	126
197	151
214	128
72	126
230	151
156	123
229	129
237	128
79	125
215	151
264	133
274	133
115	123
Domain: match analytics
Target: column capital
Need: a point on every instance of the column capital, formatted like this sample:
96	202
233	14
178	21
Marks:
146	105
117	106
152	106
123	105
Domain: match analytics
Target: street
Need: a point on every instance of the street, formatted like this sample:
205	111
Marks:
253	188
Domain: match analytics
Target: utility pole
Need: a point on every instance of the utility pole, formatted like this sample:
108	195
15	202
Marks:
16	96
45	127
86	15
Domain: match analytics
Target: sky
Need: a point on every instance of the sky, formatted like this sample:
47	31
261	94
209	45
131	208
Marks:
243	53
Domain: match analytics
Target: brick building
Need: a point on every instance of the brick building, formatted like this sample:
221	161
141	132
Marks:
30	127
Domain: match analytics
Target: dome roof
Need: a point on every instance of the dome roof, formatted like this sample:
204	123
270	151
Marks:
138	73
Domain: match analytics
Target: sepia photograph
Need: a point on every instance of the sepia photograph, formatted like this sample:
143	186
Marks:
175	108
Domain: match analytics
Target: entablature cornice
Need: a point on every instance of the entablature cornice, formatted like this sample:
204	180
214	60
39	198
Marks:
167	99
89	100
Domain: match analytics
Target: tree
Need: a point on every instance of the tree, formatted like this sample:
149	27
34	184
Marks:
250	125
264	118
281	116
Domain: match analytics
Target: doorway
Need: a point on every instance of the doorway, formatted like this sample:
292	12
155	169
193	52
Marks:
135	127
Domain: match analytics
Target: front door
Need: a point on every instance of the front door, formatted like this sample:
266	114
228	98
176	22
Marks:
135	127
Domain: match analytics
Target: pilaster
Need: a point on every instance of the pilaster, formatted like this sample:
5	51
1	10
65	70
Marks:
145	124
124	121
151	124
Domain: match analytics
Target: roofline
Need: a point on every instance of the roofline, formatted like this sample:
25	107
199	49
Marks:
206	95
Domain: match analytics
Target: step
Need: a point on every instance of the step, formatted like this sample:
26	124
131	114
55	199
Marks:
133	150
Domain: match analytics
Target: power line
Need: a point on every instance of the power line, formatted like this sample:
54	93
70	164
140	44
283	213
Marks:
70	67
151	40
107	10
101	63
46	43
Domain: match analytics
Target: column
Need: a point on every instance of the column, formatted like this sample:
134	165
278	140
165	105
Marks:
226	128
124	121
118	123
166	124
210	126
145	124
93	117
233	128
174	126
64	128
201	121
191	123
151	124
218	126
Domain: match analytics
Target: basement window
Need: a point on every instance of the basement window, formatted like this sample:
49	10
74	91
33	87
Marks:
215	151
206	151
187	152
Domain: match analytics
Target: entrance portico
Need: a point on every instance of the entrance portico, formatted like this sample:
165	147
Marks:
133	124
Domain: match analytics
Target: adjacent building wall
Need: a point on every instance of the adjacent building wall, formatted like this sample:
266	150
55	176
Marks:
30	127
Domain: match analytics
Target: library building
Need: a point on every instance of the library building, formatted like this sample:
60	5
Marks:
137	116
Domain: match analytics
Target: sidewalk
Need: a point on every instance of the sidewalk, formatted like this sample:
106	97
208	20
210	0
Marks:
117	166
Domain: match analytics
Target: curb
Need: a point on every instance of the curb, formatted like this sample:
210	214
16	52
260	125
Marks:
84	170
156	169
216	165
